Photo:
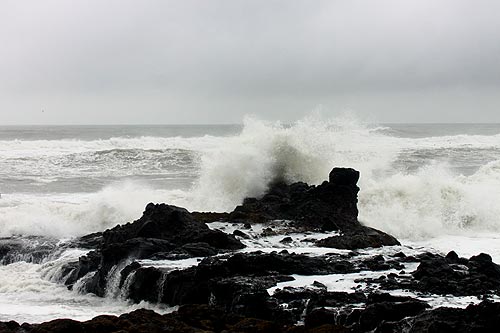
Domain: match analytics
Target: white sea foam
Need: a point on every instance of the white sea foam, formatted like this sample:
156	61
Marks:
69	215
350	283
433	201
33	148
430	200
28	295
305	151
410	187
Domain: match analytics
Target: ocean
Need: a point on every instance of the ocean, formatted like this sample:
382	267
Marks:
433	186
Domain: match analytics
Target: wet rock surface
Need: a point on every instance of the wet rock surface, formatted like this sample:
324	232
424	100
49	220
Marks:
449	275
223	284
384	316
167	232
359	239
163	231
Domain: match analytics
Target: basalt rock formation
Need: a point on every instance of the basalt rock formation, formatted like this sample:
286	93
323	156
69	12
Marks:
388	314
331	206
169	232
163	230
223	287
450	275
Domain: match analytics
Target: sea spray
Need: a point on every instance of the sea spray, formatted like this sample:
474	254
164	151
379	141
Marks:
413	188
426	188
433	201
304	151
413	184
65	216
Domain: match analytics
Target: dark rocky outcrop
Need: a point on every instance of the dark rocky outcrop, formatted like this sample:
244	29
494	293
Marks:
226	280
163	230
226	290
484	317
230	288
331	206
390	317
374	314
361	238
169	232
188	319
450	275
173	224
458	276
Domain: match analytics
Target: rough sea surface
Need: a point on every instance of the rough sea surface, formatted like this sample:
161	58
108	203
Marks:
433	186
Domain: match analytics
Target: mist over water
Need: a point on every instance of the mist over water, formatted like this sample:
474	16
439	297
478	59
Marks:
416	186
417	181
432	186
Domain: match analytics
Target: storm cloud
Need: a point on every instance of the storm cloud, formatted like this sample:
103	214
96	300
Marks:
124	61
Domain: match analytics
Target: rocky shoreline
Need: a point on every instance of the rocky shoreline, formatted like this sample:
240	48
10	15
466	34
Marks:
240	271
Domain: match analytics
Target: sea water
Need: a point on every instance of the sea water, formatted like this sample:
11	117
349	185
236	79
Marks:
433	186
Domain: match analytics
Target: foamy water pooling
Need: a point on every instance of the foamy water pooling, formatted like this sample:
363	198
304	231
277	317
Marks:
434	187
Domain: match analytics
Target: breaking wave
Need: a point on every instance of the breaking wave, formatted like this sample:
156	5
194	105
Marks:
433	201
77	214
304	151
413	187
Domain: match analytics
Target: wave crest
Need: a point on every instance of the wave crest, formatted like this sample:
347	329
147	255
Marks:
304	151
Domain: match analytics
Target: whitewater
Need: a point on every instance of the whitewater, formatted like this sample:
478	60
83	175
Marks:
433	186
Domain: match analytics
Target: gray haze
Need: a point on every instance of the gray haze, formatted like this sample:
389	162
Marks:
146	61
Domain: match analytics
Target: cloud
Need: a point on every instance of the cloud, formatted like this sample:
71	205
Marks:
229	57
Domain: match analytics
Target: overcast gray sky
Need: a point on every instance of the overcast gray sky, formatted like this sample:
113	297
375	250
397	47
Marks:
186	61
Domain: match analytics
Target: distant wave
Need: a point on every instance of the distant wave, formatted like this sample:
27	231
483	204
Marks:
410	187
33	148
118	162
69	215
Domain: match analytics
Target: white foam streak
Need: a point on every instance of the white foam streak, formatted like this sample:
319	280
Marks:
28	295
74	214
432	202
34	148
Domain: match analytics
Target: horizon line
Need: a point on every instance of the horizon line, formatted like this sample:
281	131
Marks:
241	124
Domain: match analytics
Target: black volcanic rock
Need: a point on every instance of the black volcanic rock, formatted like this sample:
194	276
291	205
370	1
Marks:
163	229
259	263
171	223
227	291
187	319
483	317
331	206
343	176
376	313
449	275
143	285
237	283
363	237
196	318
458	276
169	232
